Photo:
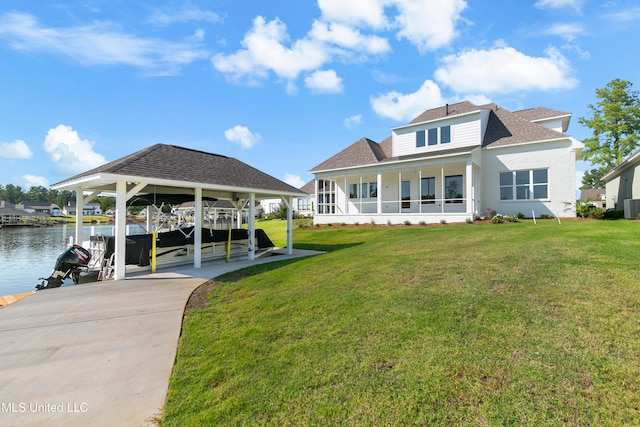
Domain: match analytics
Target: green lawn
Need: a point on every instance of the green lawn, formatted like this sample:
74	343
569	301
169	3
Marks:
509	324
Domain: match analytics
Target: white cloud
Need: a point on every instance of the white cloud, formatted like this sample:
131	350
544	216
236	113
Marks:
348	30
353	121
404	107
264	51
293	180
432	27
324	82
504	70
569	32
626	15
243	136
17	149
70	153
99	43
557	4
343	36
185	14
35	181
356	13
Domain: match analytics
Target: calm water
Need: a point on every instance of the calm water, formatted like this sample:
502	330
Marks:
28	253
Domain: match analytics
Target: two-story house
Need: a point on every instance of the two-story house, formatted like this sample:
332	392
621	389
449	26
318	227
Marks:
453	164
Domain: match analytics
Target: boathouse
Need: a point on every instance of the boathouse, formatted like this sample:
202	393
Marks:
186	174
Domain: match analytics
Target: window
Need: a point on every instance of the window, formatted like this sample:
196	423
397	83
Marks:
304	204
433	136
453	188
373	189
428	191
524	184
406	194
353	191
326	197
420	138
445	134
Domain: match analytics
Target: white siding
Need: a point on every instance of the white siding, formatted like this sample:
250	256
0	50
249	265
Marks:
465	131
557	157
554	124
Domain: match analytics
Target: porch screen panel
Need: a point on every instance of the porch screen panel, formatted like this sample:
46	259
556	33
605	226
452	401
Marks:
453	188
406	194
428	190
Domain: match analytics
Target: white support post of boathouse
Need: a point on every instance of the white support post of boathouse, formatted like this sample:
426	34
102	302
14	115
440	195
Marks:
251	222
121	230
79	212
288	201
197	235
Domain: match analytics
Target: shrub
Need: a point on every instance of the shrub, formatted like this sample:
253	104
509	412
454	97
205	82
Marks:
520	215
545	216
497	219
407	222
443	221
423	223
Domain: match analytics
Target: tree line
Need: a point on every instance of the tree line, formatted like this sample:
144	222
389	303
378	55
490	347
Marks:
15	194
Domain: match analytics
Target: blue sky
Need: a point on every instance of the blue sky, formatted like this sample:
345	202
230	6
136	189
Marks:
283	85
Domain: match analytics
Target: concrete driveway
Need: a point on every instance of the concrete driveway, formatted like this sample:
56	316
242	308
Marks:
91	355
98	354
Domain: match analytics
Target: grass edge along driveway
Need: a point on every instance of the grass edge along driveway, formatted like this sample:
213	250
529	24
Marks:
508	324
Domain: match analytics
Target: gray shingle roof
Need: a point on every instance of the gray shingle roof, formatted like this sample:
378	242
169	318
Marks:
539	113
361	152
169	162
309	187
503	128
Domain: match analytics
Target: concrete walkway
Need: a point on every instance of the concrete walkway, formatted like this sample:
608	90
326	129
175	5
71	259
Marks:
97	354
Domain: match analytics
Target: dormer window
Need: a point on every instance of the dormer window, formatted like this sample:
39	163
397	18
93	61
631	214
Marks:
433	136
445	134
430	136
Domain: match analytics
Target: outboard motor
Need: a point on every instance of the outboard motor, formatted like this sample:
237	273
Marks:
69	264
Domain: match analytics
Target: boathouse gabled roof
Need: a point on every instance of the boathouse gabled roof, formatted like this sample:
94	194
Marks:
172	169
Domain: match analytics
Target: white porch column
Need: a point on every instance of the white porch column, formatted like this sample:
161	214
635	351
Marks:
197	235
121	230
420	190
469	185
79	212
442	189
252	226
346	196
379	198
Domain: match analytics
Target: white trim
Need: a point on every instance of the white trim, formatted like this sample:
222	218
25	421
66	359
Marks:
440	119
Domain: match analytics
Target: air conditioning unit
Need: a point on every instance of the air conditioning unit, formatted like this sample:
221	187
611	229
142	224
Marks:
631	208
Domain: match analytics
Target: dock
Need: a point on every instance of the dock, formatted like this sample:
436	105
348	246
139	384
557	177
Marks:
10	299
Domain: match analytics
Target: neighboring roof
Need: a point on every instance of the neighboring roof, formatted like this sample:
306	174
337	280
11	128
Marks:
30	204
592	194
632	160
309	187
503	128
15	212
174	166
